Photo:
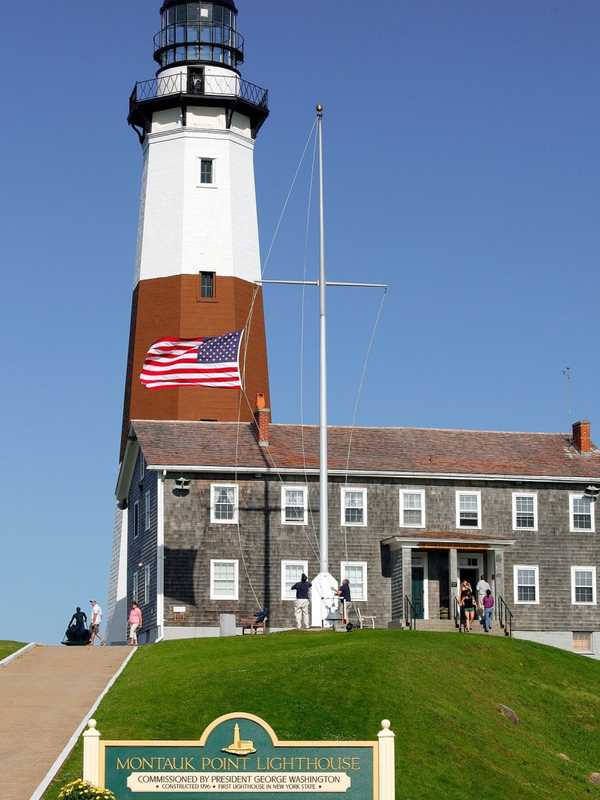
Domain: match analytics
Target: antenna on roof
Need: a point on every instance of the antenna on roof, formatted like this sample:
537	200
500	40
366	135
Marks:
567	372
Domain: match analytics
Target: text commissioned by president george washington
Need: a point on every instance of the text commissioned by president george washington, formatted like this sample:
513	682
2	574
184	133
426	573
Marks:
239	754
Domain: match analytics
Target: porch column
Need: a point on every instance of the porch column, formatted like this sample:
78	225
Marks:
499	575
453	578
406	575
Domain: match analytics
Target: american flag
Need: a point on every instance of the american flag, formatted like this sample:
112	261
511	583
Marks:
206	361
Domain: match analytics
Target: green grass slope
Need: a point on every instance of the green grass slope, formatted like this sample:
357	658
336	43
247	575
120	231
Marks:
8	648
441	692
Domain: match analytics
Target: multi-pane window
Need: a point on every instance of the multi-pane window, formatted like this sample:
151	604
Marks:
136	519
207	171
468	509
412	508
291	573
583	585
224	503
135	589
581	513
147	511
356	572
527	586
354	506
207	285
294	505
582	641
223	580
524	511
146	584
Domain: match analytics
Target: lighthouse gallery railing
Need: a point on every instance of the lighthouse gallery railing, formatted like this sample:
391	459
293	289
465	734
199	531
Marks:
209	85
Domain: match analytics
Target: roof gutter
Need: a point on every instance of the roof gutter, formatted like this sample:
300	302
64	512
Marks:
377	473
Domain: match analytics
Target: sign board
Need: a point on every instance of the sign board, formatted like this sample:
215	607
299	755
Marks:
240	755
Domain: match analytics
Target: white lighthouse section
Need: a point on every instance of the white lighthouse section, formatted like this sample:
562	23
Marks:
188	225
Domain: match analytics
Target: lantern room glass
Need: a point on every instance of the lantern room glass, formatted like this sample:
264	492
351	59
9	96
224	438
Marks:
198	32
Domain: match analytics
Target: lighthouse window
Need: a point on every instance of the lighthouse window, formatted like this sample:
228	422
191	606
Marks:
180	13
207	285
206	171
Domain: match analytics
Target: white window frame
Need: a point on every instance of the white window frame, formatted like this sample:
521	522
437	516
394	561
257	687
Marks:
536	569
343	522
142	471
136	519
572	528
147	510
581	650
236	565
291	562
573	587
212	185
459	494
289	487
404	524
135	586
147	576
535	510
363	564
236	512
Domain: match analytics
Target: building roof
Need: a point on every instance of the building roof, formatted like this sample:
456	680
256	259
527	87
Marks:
426	538
426	451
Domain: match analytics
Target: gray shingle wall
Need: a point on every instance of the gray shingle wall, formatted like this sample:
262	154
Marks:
142	549
191	541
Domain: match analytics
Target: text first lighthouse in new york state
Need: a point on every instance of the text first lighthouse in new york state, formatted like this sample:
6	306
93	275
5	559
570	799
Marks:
198	255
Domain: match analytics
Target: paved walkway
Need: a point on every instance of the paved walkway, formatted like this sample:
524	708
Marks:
44	695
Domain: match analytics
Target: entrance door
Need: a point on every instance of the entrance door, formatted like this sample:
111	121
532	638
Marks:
418	591
470	574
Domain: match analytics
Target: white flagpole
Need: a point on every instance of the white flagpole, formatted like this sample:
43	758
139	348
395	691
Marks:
323	494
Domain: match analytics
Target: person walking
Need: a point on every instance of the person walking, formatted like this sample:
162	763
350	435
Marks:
346	598
467	601
488	611
136	620
95	623
481	588
302	589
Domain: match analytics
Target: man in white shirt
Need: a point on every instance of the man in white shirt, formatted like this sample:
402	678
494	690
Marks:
482	587
95	623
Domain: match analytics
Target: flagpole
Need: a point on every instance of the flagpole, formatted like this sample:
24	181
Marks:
323	494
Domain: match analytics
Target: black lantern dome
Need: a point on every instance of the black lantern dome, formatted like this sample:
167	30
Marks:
198	32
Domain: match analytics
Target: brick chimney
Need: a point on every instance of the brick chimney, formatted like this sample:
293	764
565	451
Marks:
582	436
263	420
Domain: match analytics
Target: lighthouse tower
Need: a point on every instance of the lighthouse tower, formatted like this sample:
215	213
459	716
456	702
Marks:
198	254
198	257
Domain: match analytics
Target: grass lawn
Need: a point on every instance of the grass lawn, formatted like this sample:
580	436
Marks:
8	648
441	692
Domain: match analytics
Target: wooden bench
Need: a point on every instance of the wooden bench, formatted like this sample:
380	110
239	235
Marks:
252	626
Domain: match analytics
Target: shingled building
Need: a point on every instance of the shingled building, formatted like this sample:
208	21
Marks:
223	518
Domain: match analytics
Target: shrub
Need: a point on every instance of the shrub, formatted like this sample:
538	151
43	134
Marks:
82	790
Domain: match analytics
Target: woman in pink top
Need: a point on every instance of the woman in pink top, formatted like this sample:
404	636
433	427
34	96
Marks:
135	622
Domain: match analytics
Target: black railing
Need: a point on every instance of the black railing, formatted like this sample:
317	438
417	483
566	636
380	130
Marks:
208	86
458	622
504	616
410	618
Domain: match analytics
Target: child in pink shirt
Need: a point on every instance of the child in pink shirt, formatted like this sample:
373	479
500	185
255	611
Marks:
135	622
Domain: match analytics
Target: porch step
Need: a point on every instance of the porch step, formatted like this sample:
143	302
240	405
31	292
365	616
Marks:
447	626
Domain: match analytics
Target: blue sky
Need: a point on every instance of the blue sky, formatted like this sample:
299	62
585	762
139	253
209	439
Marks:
462	168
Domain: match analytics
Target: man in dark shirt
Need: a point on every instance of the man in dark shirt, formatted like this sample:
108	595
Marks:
302	603
344	595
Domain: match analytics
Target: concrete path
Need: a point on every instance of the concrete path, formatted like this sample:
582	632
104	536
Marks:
44	695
